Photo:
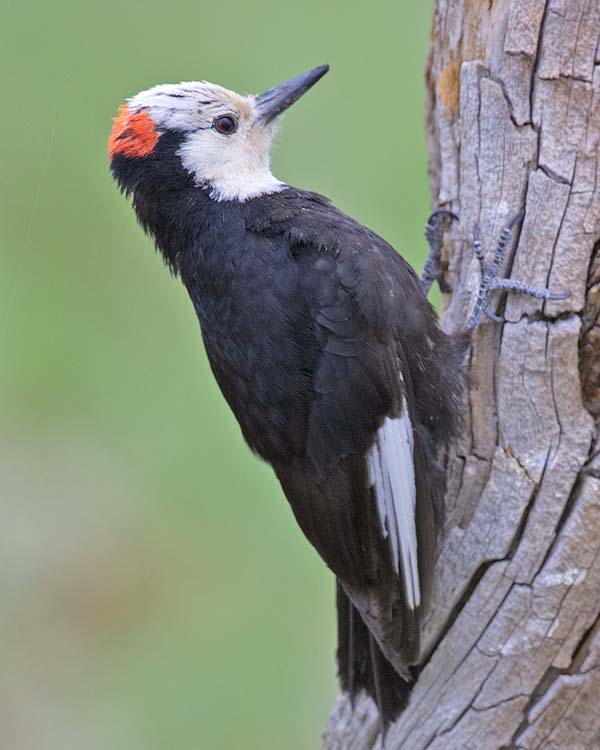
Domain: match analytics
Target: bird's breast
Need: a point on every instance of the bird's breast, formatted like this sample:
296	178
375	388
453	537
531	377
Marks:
259	341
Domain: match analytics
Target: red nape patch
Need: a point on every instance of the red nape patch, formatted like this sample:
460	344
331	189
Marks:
133	133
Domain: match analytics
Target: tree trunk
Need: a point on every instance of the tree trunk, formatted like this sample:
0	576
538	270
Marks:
512	654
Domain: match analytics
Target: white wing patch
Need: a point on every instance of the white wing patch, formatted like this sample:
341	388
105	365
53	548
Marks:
392	475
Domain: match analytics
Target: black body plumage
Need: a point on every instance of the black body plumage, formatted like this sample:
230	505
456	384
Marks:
316	329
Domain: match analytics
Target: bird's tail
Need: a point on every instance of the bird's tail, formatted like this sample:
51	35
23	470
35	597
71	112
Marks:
362	665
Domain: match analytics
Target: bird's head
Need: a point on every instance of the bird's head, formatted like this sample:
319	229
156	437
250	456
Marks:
222	139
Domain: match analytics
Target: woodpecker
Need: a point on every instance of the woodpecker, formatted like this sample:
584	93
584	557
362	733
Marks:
324	345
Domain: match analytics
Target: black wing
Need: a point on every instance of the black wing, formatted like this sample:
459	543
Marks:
362	492
384	399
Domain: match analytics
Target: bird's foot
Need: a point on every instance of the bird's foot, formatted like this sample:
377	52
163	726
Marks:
489	277
434	233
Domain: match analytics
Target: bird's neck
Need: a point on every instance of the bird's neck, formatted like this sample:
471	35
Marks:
168	205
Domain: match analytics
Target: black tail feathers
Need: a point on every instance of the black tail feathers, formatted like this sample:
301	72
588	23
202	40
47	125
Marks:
362	666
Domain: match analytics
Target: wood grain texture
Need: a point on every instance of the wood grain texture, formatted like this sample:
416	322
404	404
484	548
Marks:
512	643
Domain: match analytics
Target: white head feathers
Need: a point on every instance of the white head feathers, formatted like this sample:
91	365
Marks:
235	165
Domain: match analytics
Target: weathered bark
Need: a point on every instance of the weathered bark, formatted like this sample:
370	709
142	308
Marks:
513	639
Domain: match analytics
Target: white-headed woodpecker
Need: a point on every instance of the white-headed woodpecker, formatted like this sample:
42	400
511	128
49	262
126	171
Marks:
324	345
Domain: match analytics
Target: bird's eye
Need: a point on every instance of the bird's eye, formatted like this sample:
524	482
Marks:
225	124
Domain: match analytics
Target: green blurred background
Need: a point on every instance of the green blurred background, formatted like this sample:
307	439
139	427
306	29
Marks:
155	591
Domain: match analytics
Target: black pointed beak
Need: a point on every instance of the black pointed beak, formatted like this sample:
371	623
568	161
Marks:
275	101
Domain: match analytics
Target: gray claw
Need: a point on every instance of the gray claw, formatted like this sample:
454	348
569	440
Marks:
489	277
432	270
492	315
